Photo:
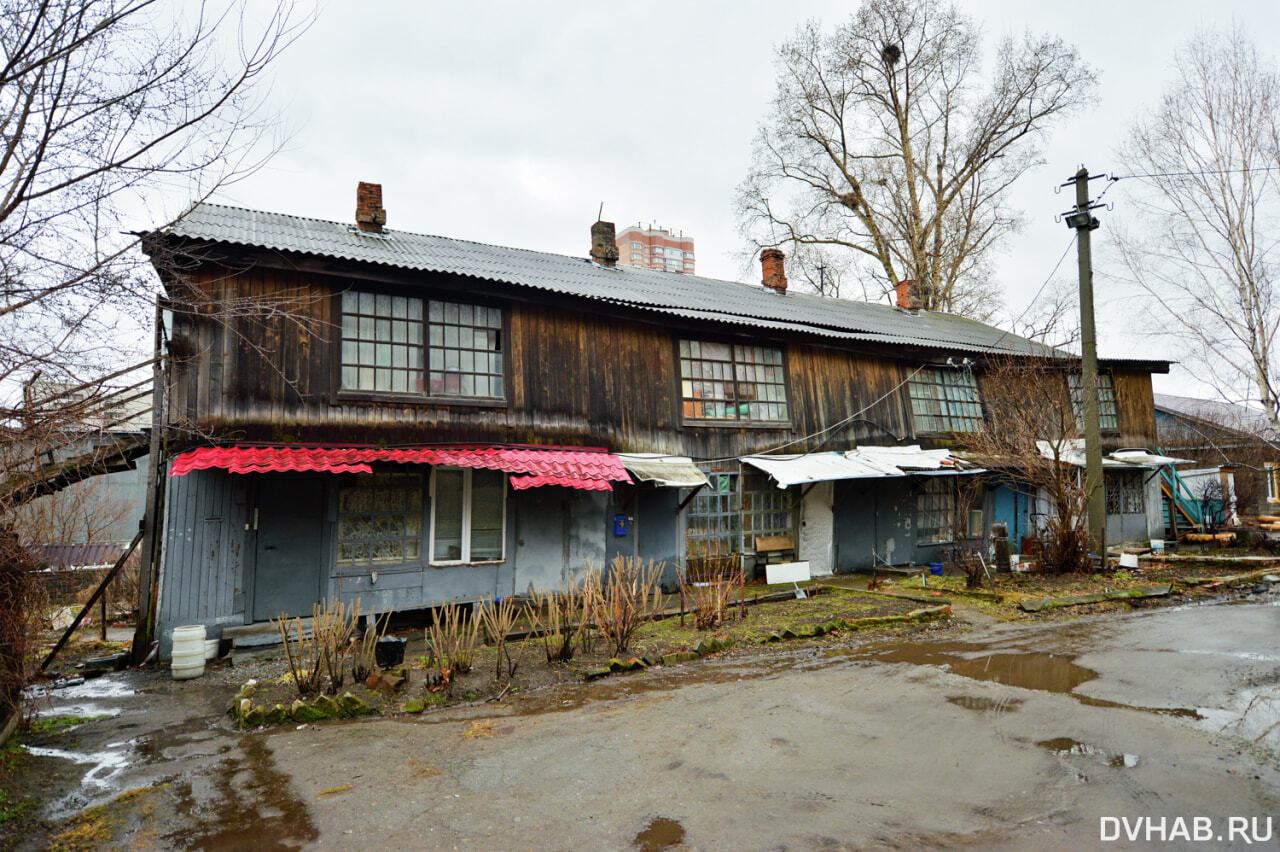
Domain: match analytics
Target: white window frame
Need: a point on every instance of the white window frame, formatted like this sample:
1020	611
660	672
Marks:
466	522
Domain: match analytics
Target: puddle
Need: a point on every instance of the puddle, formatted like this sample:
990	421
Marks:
1024	669
1067	747
1253	714
106	764
661	833
983	704
250	806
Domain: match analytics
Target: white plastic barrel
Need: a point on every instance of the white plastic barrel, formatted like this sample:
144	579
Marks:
188	652
210	649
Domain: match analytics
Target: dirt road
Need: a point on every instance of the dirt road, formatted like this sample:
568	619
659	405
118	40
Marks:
1028	736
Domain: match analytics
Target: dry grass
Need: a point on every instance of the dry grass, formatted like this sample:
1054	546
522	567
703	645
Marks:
557	617
498	617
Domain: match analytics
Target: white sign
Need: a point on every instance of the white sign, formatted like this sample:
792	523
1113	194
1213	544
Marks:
786	572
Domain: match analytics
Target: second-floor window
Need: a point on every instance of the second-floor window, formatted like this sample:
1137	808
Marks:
724	381
423	347
945	401
1107	416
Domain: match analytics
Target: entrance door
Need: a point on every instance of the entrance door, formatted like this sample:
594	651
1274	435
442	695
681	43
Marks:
288	569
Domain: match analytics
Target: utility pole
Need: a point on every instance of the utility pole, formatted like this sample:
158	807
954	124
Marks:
1084	222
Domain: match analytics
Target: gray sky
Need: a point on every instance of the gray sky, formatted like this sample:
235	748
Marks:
510	123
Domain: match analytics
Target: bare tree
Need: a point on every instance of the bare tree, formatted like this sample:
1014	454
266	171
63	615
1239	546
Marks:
1209	214
1031	432
108	109
887	140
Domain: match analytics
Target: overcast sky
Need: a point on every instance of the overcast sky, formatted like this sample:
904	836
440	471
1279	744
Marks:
510	123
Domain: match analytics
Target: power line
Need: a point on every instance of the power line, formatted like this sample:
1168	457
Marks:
1036	297
855	416
1200	173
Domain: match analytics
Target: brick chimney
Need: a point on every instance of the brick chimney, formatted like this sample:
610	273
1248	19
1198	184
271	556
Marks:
604	243
370	216
775	276
908	294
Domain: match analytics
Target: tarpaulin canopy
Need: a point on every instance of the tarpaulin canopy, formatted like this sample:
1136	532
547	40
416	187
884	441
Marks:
590	470
663	471
860	463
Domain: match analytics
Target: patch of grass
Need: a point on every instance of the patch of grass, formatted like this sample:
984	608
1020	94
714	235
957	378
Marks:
480	729
14	810
46	726
93	829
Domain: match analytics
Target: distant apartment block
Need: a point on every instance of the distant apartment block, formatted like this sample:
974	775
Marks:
655	247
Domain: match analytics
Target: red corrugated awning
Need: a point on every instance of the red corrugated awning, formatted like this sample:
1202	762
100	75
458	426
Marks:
591	470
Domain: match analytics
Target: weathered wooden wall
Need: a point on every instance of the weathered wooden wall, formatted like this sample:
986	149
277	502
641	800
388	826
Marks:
576	376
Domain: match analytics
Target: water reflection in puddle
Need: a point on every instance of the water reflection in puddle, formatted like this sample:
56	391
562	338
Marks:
1025	669
1067	747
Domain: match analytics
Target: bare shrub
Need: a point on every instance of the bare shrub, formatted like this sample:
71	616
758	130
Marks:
364	650
452	638
302	654
620	602
557	618
316	658
708	601
498	617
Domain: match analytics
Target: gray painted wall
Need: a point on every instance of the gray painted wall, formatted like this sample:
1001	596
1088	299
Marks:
203	554
874	522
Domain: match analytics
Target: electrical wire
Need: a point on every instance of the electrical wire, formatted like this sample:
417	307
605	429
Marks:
1200	173
856	415
1036	297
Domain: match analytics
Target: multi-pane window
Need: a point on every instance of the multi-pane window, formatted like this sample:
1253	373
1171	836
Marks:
380	520
727	517
935	511
1107	417
464	350
381	343
468	512
945	401
723	381
1125	493
385	348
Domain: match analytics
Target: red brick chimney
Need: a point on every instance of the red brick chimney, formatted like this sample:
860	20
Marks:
775	276
604	243
908	293
370	216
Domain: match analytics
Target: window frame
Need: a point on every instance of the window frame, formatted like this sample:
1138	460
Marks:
352	481
732	423
733	524
1076	394
949	418
340	395
949	510
1119	490
467	478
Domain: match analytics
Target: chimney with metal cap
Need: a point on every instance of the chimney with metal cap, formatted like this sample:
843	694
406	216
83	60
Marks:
370	217
604	246
775	275
908	295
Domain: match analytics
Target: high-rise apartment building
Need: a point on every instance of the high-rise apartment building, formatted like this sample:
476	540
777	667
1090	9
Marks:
654	247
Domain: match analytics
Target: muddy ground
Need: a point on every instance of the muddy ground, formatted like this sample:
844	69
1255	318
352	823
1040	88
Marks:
981	733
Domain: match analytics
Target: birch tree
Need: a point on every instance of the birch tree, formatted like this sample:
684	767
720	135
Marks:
891	141
1207	217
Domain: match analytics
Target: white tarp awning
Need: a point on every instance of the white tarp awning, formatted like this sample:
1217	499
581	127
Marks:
663	471
1072	452
860	463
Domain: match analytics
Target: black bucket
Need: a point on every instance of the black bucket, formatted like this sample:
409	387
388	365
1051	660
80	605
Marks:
389	652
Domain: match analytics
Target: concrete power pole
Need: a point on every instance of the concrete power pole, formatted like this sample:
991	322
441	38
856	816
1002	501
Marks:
1084	222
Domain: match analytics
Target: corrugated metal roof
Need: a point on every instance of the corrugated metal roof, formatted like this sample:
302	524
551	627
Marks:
665	471
1073	453
583	469
670	293
860	463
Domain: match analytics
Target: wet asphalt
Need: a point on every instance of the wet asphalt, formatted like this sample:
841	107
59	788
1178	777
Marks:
1027	736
